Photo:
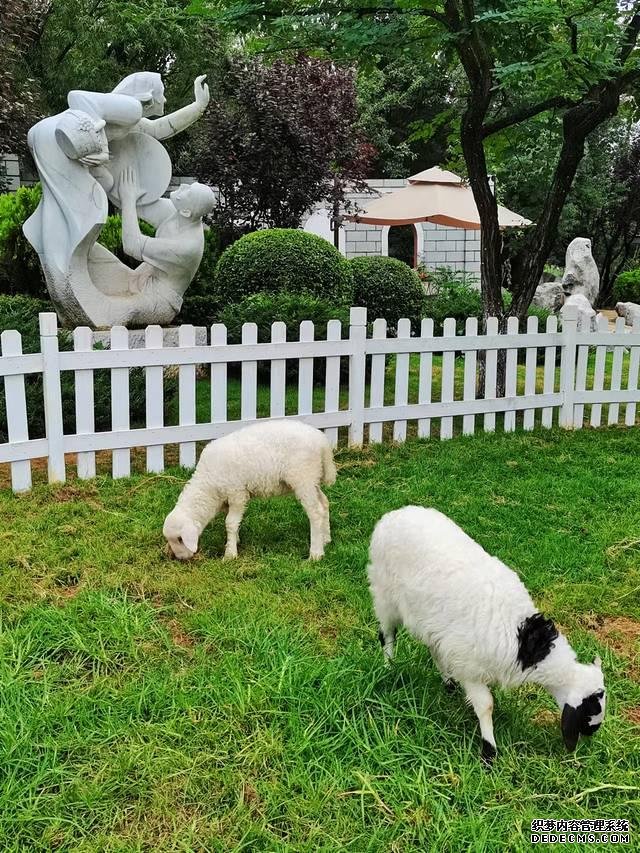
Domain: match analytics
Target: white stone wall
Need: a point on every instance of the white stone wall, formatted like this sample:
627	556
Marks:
438	245
457	248
10	171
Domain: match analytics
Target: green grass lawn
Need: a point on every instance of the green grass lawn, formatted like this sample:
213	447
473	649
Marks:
151	705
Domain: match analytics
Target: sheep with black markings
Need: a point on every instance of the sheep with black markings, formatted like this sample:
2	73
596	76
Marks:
477	618
261	460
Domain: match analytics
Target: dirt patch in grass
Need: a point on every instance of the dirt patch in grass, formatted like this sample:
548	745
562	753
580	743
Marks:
66	593
73	492
178	635
633	715
250	797
622	635
545	718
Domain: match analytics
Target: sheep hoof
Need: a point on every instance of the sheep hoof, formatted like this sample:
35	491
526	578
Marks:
230	555
316	555
488	752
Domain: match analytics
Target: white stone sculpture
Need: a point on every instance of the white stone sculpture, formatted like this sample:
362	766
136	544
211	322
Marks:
549	296
581	273
106	147
587	318
629	310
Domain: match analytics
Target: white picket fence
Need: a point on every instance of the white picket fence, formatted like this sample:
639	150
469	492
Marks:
563	391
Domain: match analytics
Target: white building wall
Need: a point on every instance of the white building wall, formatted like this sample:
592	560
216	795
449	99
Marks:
10	171
438	245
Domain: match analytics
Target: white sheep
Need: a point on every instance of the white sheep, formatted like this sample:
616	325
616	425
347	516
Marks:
264	459
477	618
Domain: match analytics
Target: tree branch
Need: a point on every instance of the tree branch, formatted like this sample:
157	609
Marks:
527	112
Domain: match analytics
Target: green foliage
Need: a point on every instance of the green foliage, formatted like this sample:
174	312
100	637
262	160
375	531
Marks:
283	259
541	313
553	271
627	286
451	294
199	310
201	304
392	99
203	281
21	313
387	288
456	294
20	270
290	308
111	237
89	45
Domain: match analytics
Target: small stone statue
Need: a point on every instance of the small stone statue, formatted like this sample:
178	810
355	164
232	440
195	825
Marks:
581	273
104	147
629	310
587	317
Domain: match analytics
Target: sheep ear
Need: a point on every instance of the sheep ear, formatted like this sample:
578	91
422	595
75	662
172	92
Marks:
190	537
570	727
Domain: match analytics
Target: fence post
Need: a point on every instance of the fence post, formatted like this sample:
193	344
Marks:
568	365
357	365
52	396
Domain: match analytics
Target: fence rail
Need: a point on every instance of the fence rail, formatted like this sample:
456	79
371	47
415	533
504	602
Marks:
395	380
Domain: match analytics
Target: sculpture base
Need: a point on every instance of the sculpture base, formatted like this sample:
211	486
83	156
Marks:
136	337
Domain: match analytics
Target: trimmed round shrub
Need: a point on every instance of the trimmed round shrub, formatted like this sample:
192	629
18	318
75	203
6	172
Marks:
627	287
283	260
387	288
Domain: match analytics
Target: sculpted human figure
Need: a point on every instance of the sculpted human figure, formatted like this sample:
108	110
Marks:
134	123
81	156
172	257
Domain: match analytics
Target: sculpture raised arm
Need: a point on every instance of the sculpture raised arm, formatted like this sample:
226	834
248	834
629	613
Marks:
167	126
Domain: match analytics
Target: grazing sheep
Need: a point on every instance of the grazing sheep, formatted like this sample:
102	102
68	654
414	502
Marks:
477	618
270	458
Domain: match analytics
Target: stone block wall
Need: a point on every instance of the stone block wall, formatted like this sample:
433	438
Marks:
438	245
10	171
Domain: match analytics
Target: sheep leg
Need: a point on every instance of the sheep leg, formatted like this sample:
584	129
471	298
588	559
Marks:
480	698
327	523
308	497
237	505
449	683
388	621
387	638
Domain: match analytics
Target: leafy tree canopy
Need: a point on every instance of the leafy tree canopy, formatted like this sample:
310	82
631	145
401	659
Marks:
513	60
